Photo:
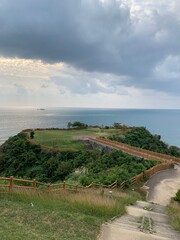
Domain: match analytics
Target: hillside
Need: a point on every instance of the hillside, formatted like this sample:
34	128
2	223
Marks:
69	215
20	158
61	216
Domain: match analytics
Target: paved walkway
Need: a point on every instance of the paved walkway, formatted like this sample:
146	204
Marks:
163	186
146	220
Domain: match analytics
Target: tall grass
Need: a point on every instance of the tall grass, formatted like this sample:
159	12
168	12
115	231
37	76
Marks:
90	201
174	212
59	216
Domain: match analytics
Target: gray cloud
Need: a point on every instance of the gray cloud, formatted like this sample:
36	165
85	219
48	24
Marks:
95	37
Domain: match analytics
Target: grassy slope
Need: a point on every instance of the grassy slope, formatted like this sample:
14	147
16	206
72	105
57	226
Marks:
174	212
67	216
65	139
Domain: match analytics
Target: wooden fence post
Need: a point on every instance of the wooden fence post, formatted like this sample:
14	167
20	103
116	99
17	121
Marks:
123	184
34	184
64	185
49	187
76	189
116	185
11	181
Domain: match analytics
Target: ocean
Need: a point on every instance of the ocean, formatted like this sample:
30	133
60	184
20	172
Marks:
161	122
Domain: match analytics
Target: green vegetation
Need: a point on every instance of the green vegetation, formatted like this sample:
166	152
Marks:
106	168
147	224
76	124
32	134
177	197
64	216
20	158
140	137
67	139
174	212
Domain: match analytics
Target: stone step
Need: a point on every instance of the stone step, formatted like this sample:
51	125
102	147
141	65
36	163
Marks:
112	232
128	218
155	207
127	226
138	212
165	230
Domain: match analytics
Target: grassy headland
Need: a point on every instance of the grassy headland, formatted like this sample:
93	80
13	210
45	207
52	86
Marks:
67	140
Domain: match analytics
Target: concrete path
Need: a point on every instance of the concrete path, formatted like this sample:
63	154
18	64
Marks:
146	220
163	185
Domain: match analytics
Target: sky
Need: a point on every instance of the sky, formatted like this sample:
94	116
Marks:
90	53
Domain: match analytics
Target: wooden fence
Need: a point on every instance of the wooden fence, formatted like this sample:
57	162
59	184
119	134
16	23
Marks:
147	173
11	184
139	152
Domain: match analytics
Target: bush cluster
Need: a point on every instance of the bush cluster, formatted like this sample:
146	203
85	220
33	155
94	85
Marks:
177	197
140	137
19	158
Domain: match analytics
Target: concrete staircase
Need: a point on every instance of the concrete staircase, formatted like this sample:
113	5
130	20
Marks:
128	227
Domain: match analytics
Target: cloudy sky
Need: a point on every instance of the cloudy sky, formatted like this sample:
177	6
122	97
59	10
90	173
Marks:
90	53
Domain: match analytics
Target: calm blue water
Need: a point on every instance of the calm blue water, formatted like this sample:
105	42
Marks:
162	122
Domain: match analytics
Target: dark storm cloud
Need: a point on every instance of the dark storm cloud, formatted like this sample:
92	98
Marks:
90	35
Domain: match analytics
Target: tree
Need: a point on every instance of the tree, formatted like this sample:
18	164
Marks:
78	124
32	134
69	125
117	125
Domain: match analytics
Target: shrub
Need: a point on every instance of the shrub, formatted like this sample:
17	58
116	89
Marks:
177	197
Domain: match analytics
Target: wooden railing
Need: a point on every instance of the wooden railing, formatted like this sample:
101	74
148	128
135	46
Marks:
139	152
12	183
147	173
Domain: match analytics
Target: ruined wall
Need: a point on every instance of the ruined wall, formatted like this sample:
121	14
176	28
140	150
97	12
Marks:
95	145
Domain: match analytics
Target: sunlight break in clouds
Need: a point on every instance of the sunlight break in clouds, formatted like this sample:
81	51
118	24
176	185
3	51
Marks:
26	80
115	53
19	67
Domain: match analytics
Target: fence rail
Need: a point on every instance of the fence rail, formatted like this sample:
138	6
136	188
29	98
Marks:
139	152
12	183
147	173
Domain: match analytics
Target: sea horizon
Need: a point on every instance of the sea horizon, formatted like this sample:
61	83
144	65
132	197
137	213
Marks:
163	122
71	107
